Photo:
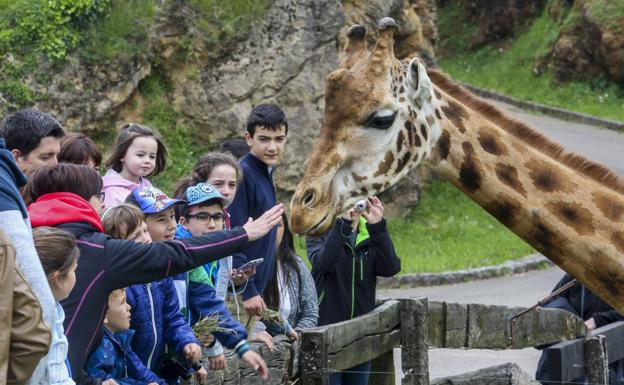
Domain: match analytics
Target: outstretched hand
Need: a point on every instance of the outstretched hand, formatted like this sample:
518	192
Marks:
258	228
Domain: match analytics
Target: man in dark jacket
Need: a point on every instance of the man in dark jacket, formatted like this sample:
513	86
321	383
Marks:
107	264
345	265
595	312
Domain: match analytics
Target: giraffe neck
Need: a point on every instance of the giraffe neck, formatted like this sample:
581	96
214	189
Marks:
574	219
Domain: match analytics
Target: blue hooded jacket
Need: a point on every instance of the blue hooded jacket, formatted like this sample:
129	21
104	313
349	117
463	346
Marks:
114	359
157	321
201	301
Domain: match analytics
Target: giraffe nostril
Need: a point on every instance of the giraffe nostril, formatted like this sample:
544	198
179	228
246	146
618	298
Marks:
308	198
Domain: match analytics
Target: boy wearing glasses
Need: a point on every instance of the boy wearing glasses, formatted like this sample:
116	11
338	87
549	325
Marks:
202	214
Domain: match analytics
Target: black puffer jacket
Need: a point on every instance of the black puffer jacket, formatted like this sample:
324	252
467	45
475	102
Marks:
346	275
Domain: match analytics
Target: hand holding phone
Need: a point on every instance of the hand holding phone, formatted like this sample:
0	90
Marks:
251	264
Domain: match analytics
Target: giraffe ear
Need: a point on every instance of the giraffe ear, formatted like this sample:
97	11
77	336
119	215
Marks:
418	83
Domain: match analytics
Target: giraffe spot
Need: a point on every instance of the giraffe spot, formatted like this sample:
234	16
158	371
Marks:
402	99
400	140
490	142
358	178
504	208
547	242
438	114
402	90
618	241
429	98
444	144
577	217
377	186
509	176
417	141
355	194
437	94
430	119
547	178
411	132
423	131
386	185
402	162
385	164
470	175
455	113
609	206
364	191
468	149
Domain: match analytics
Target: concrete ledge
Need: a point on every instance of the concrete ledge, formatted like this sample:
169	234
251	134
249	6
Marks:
547	110
531	262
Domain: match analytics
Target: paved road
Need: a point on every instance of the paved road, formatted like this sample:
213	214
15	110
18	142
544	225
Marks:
522	290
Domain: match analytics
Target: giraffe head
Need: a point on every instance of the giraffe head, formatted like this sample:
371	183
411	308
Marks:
378	124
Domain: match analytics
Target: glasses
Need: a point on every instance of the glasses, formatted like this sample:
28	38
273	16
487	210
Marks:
101	196
205	217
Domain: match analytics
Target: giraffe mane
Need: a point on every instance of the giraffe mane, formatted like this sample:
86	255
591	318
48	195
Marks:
556	151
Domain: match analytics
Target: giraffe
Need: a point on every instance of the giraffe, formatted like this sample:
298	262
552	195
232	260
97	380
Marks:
384	116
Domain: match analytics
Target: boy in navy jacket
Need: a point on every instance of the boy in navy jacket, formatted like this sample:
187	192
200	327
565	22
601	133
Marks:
114	358
266	136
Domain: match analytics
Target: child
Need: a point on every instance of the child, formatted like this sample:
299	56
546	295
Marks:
202	214
345	265
59	257
223	173
138	153
155	316
80	149
292	288
114	360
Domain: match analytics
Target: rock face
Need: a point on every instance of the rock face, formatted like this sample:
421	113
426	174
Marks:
285	60
590	47
499	19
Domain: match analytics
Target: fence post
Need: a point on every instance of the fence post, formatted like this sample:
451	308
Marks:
414	347
596	360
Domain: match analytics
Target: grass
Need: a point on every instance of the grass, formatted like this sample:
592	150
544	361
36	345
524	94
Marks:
447	231
508	68
121	34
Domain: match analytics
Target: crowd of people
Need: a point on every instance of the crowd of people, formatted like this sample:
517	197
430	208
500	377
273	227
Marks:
104	277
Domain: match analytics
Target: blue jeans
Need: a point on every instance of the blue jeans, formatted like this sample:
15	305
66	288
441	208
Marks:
348	377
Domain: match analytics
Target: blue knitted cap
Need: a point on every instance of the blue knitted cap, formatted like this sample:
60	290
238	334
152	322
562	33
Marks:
203	192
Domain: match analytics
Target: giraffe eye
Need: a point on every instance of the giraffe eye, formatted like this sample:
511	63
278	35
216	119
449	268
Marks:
381	120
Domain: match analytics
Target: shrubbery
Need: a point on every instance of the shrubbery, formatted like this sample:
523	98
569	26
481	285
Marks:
51	27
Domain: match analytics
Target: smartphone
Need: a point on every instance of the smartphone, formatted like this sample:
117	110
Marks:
251	264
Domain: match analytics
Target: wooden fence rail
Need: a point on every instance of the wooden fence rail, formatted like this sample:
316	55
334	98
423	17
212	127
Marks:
396	323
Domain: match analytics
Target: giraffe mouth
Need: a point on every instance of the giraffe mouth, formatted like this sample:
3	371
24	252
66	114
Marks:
320	223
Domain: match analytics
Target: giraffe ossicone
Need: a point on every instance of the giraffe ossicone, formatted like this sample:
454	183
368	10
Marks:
384	117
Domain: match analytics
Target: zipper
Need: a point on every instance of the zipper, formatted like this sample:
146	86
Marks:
151	301
361	269
352	279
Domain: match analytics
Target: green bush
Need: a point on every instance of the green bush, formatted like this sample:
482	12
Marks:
49	27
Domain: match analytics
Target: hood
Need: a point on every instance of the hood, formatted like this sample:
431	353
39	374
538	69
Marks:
63	207
14	178
182	233
113	179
